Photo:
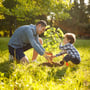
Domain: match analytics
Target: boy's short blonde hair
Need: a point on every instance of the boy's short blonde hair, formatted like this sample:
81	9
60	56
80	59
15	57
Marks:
71	37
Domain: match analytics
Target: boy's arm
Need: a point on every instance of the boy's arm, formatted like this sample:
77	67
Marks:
65	47
61	53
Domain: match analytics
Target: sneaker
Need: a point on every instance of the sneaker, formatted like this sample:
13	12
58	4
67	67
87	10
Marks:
11	58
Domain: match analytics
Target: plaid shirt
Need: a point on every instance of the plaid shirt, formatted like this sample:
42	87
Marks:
70	50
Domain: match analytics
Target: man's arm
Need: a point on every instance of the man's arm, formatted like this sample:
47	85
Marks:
37	39
35	45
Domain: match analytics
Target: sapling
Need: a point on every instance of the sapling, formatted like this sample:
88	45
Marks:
53	38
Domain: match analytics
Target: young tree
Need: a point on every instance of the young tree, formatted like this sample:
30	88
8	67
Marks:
53	37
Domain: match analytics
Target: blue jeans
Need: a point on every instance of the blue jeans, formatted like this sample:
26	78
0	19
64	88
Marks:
19	52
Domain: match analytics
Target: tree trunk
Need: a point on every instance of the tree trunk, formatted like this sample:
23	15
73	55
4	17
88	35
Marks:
10	31
82	4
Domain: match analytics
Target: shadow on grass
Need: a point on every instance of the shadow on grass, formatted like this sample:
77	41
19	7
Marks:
6	68
56	74
60	73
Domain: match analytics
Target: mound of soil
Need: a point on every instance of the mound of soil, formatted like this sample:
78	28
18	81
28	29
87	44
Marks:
53	64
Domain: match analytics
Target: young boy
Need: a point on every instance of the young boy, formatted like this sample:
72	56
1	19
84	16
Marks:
69	49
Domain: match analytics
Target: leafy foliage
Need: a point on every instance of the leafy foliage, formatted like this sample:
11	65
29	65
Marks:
79	23
53	37
19	12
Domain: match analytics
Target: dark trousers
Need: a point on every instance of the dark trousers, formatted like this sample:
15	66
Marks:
19	52
70	58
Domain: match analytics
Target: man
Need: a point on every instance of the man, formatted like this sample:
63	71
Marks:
26	37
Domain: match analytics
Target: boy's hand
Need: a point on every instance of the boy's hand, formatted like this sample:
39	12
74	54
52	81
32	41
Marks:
52	56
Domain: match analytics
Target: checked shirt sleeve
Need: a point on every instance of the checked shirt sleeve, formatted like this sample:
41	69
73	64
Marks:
65	47
61	53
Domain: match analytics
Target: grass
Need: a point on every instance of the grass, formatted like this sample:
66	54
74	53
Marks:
33	77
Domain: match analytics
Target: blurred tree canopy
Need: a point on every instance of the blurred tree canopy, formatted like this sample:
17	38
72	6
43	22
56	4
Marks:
80	19
71	17
19	12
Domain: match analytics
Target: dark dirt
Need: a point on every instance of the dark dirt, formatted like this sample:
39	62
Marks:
53	64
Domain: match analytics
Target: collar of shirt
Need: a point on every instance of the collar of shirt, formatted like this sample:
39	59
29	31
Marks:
33	27
69	43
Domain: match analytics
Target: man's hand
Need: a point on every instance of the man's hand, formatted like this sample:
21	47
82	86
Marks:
48	53
48	57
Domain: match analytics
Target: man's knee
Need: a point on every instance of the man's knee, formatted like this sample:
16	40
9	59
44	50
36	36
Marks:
41	41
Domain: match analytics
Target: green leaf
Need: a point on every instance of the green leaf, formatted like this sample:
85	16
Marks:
54	38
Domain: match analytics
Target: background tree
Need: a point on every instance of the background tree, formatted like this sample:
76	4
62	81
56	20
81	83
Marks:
57	13
29	11
9	21
79	23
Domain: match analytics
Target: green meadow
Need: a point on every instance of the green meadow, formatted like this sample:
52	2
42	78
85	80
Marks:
34	77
